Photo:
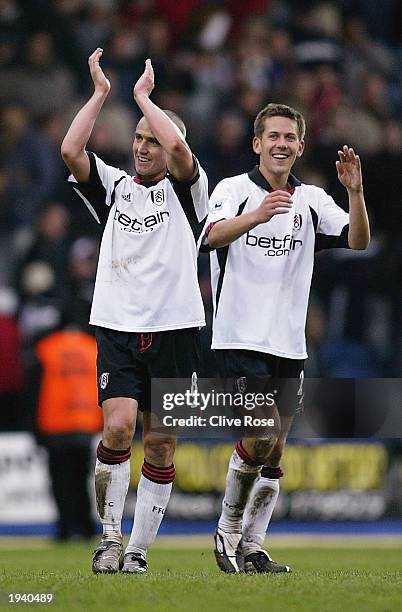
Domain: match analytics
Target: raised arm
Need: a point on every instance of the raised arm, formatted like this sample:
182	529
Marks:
74	143
179	156
350	175
226	231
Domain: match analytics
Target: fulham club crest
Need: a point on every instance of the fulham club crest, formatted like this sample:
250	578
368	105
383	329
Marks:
158	197
297	222
240	384
103	380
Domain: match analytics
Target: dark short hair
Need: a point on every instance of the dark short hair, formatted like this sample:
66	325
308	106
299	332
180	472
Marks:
279	110
177	121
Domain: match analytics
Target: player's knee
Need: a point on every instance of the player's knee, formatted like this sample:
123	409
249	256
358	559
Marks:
159	451
274	431
277	452
263	447
271	435
118	432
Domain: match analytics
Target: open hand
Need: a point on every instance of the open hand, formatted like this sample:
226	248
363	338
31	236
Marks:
145	83
349	169
101	83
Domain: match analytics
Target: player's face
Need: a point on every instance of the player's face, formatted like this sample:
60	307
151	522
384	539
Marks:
279	145
149	157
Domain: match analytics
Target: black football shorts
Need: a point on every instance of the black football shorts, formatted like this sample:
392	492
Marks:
254	372
127	361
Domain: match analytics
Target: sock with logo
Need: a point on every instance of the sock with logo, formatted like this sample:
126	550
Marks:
153	495
240	478
259	509
112	476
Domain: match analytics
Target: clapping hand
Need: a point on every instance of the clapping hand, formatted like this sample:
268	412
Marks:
101	83
145	83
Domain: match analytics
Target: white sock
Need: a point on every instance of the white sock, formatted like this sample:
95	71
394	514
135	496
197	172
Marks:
257	515
152	500
111	485
239	482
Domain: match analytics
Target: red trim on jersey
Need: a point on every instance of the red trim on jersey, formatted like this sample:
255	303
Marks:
290	190
145	180
208	228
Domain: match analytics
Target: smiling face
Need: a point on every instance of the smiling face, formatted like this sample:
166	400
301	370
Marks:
149	157
278	147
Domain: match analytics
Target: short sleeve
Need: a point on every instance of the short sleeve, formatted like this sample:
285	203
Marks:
193	194
332	217
222	204
332	223
199	190
97	192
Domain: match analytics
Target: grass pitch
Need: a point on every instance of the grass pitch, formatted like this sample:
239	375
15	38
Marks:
325	578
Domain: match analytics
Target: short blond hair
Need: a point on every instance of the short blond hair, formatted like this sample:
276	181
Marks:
279	110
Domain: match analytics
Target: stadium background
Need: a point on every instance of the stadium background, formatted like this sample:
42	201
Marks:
216	64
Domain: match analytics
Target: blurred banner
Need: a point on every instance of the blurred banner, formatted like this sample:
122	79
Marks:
25	495
324	479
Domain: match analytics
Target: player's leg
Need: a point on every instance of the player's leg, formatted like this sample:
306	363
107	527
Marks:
112	477
153	493
168	355
289	382
260	507
244	468
246	461
119	387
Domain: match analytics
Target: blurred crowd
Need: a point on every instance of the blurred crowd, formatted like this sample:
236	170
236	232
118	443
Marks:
216	64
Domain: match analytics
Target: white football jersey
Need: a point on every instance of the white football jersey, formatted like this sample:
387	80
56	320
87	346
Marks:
261	281
146	279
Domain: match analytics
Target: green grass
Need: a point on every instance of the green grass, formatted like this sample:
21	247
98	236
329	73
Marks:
184	579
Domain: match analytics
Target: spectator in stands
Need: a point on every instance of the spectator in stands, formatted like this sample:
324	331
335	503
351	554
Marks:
229	152
50	245
42	82
82	264
27	167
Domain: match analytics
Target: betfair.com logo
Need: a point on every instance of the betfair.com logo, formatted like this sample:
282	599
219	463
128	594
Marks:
274	247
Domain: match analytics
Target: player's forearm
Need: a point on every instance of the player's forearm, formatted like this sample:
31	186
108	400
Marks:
359	227
164	130
226	231
80	130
